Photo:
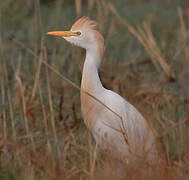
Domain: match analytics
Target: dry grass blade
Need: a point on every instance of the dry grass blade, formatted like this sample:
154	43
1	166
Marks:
52	115
176	125
90	4
3	102
121	131
37	74
61	76
182	28
78	6
21	88
93	159
144	35
2	86
183	33
11	110
154	49
45	119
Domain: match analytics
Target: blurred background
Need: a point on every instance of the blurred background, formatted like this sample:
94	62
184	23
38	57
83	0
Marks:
146	60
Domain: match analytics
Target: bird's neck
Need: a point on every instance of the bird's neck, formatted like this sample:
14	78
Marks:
90	79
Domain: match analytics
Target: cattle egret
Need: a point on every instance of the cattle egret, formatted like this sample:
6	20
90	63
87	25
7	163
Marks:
117	126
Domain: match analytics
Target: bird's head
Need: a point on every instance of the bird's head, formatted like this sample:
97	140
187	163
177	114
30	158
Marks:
83	33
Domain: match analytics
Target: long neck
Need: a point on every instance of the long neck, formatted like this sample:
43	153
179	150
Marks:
90	78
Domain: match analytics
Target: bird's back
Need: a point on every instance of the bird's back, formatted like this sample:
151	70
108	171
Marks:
125	133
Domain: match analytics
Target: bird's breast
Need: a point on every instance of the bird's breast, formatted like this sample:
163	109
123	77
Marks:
90	109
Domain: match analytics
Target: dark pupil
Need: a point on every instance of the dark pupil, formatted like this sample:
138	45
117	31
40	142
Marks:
78	33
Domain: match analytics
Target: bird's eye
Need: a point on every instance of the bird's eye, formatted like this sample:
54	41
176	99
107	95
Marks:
78	33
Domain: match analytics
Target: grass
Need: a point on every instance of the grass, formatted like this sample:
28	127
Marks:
42	134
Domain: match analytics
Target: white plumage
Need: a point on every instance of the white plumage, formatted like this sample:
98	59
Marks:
123	133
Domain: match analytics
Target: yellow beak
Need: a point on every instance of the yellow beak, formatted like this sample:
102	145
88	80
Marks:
62	33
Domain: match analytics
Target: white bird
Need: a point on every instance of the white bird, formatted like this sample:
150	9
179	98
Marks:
117	126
